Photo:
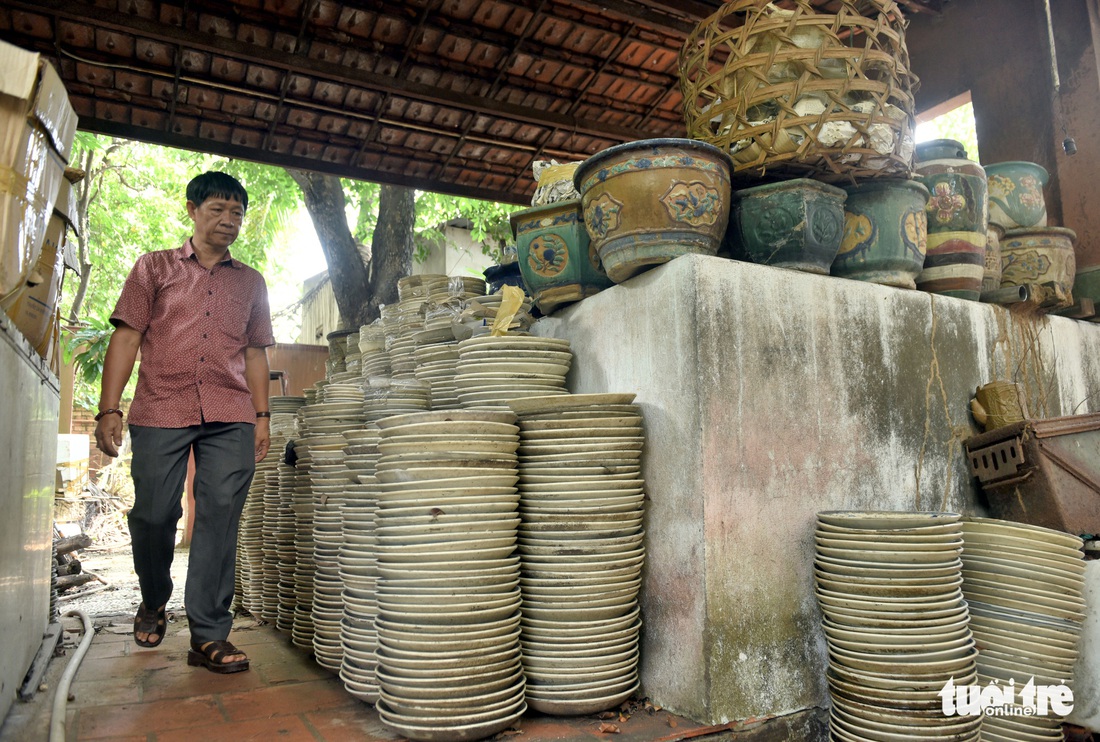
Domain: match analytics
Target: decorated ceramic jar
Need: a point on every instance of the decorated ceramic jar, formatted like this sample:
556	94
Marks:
1016	194
958	215
1039	255
885	233
557	260
792	224
650	201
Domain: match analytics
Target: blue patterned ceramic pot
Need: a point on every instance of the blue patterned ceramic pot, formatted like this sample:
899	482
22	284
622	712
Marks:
650	201
794	224
558	263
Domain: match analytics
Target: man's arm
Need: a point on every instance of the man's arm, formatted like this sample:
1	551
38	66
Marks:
122	352
257	375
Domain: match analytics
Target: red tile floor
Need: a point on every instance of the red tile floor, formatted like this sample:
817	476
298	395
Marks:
123	692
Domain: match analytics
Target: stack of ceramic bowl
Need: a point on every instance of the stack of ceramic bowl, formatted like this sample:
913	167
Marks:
492	371
373	358
436	366
895	624
386	397
448	593
359	567
284	428
1025	588
581	551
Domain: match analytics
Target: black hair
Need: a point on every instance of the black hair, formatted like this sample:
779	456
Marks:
214	184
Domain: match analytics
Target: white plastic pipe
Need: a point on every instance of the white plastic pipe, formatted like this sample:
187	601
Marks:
61	697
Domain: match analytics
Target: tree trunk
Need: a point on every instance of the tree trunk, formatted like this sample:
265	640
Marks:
360	288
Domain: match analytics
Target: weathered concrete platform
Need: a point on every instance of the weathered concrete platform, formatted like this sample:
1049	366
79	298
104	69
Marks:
770	395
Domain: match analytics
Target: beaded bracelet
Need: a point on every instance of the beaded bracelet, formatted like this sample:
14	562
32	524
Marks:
104	413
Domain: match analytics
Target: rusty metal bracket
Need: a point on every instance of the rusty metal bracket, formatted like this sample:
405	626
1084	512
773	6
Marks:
998	461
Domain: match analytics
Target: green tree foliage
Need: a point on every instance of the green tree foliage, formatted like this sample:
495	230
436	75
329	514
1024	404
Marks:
957	124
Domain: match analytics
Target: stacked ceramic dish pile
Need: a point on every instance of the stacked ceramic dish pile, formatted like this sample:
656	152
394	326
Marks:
436	366
302	503
492	371
374	360
448	593
1025	588
285	536
456	288
581	551
485	308
330	480
895	624
386	397
284	428
359	566
250	545
408	320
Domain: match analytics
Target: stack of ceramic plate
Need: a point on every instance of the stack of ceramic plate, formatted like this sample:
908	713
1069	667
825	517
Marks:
492	371
285	534
448	594
436	366
250	556
374	360
359	567
386	397
895	624
1025	587
330	480
269	610
581	551
302	504
421	286
331	418
485	308
461	288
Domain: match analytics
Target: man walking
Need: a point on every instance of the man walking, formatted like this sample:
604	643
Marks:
201	321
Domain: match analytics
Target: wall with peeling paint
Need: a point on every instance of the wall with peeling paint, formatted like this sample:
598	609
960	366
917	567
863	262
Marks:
769	395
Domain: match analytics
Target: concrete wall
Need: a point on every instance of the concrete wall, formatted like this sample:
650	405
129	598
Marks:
770	395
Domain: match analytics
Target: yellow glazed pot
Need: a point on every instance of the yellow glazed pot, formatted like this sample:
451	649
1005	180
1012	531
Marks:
1039	255
650	201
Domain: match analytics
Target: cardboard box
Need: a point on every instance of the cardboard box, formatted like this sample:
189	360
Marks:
34	309
37	126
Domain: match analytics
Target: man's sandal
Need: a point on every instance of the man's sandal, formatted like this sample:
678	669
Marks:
210	655
150	622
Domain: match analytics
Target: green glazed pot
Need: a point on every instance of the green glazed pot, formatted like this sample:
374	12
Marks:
558	263
1016	194
885	233
650	201
1039	255
793	224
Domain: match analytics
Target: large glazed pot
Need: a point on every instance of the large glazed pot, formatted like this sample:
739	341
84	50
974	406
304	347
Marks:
885	233
1039	255
558	263
958	215
650	201
793	224
1016	194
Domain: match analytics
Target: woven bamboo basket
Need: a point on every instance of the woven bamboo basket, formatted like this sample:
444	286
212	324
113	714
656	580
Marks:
793	92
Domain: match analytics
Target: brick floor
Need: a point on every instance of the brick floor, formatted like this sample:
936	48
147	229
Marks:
123	692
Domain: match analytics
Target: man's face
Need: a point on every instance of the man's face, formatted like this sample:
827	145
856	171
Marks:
217	221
